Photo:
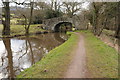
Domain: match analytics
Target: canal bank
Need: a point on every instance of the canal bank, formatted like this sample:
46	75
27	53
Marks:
19	30
102	59
83	55
55	63
20	53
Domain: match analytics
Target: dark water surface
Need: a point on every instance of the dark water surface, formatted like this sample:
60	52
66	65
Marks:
17	54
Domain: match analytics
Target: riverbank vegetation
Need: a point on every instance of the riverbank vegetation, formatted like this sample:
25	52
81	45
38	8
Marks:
55	63
20	30
102	60
99	17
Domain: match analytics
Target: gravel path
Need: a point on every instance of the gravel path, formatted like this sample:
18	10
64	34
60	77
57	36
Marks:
77	68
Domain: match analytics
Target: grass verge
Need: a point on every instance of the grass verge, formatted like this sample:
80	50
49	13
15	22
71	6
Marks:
20	30
102	60
55	63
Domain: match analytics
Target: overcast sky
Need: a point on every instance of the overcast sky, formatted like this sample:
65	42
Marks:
84	5
48	1
68	0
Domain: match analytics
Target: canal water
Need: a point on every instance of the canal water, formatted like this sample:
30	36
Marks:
17	54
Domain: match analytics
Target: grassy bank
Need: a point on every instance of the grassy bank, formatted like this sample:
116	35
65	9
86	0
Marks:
55	63
20	30
102	60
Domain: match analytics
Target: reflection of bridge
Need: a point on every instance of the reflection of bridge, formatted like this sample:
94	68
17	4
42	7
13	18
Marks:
54	23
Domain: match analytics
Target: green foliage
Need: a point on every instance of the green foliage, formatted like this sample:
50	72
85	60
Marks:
52	13
37	20
111	9
38	16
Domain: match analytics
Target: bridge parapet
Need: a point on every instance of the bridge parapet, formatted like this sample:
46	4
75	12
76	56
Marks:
51	23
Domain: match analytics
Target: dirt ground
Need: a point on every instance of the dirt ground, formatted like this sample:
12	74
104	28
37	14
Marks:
77	68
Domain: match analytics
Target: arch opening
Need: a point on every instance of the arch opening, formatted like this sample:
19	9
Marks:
63	27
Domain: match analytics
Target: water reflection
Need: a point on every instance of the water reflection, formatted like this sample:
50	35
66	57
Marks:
17	54
9	56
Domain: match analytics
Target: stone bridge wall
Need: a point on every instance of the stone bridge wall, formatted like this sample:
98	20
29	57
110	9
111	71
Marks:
51	23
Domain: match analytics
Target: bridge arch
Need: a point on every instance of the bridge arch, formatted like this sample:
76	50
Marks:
67	25
53	24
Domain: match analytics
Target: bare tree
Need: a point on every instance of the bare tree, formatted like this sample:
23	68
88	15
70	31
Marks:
42	5
57	5
28	22
72	7
96	14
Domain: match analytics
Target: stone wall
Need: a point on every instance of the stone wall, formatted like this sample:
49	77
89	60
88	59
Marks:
78	22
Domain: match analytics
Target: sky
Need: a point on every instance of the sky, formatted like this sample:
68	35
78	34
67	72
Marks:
85	0
12	4
66	0
85	5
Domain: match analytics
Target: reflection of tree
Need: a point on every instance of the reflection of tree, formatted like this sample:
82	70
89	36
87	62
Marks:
41	44
26	50
28	45
32	56
46	42
26	53
7	44
37	46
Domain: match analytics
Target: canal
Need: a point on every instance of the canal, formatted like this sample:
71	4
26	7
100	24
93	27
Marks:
18	54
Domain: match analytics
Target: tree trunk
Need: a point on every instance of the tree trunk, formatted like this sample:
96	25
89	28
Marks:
95	23
95	15
104	25
6	22
31	13
55	6
7	44
117	33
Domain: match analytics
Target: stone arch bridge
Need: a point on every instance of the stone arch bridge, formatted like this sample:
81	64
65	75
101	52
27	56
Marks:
53	23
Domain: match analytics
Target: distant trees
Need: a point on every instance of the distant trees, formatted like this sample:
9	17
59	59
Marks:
6	15
39	12
27	15
47	10
54	10
72	7
103	15
52	14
